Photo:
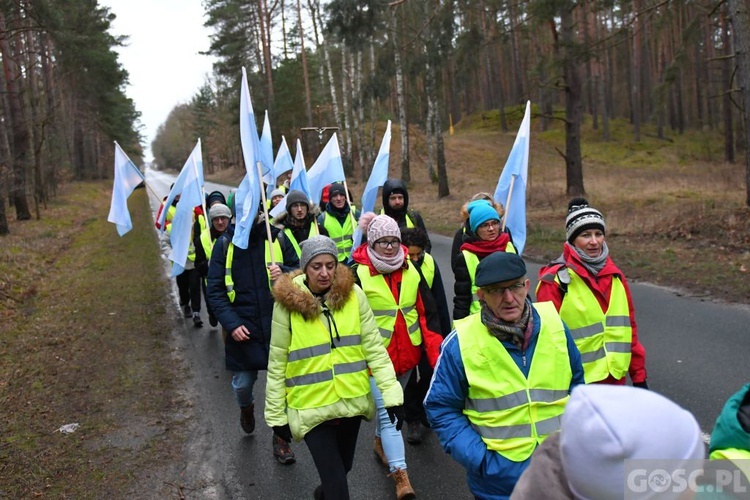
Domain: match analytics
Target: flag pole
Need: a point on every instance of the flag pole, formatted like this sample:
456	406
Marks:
351	212
265	212
203	189
130	162
507	203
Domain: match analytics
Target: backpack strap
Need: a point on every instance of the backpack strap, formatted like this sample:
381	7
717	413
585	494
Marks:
559	269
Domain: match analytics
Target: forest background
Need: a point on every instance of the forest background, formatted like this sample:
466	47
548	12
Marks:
647	95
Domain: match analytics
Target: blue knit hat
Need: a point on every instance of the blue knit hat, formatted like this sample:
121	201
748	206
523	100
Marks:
480	211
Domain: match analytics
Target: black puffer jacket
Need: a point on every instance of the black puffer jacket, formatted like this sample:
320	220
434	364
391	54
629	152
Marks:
253	303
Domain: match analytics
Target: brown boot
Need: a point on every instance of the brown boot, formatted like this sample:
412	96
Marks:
404	491
377	448
247	418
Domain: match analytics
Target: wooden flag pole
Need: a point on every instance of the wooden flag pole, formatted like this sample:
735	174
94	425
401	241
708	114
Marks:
265	211
351	212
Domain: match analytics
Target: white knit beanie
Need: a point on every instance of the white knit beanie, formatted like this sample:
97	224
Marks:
603	425
219	210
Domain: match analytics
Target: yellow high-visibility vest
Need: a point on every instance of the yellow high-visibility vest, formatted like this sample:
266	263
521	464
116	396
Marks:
512	413
604	339
472	261
428	269
384	305
229	282
313	231
341	234
321	368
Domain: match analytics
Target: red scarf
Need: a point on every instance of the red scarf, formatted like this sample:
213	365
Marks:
482	248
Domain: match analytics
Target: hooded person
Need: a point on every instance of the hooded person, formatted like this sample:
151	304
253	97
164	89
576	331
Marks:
323	324
336	221
602	427
730	439
407	320
395	199
486	237
238	289
298	222
593	298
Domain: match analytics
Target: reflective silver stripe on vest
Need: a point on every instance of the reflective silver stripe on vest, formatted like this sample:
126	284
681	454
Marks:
548	426
588	357
385	333
504	432
546	395
413	328
406	310
474	297
586	331
353	367
228	272
618	321
309	352
348	340
385	312
309	379
341	238
617	346
497	404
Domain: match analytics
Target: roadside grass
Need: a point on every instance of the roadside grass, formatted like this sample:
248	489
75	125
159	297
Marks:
84	331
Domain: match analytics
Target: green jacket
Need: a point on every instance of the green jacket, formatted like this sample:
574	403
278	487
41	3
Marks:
291	294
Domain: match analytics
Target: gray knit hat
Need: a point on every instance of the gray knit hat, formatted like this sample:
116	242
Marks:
314	246
296	196
582	217
276	192
219	210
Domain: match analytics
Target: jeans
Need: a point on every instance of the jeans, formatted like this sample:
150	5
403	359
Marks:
242	385
393	441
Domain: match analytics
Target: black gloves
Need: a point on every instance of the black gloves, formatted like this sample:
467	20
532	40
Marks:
642	385
397	415
284	432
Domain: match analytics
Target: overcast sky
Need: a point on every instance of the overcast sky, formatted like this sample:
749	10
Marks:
161	56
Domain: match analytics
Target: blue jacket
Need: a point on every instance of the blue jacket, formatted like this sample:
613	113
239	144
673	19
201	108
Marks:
489	474
253	303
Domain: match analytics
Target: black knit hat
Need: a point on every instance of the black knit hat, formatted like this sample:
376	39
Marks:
582	217
296	196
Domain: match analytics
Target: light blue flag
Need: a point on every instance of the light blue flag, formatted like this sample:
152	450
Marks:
516	173
248	196
283	162
189	185
298	180
266	156
127	178
378	176
327	169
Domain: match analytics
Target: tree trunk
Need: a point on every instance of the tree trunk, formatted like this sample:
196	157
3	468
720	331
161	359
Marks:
430	123
726	74
373	115
636	74
741	31
21	142
347	132
355	75
305	74
265	40
573	105
401	101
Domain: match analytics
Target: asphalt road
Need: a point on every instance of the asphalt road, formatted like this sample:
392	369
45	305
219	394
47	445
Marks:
697	354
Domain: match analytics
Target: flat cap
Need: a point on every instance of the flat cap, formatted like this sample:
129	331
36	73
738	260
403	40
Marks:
498	267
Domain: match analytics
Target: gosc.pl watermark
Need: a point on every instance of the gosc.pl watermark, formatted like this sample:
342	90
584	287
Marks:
686	478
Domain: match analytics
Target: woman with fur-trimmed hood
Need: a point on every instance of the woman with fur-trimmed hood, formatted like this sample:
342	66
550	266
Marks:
324	345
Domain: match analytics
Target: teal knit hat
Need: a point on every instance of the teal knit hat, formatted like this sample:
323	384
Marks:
481	211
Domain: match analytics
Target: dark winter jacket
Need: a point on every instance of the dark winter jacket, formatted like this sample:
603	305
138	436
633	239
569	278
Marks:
253	303
396	185
201	259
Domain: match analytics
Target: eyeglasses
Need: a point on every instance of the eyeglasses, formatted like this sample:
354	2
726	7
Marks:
489	224
388	244
515	289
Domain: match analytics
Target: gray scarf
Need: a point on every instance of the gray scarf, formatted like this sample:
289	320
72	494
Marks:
386	265
517	332
594	264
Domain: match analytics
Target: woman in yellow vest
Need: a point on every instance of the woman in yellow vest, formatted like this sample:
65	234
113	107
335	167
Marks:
593	299
485	238
323	340
407	320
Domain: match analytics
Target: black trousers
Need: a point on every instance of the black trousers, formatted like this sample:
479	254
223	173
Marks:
332	446
189	287
415	392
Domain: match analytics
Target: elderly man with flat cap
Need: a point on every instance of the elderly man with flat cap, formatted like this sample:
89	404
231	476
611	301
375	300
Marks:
502	380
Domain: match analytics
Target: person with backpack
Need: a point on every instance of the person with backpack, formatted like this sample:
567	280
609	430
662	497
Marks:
593	299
